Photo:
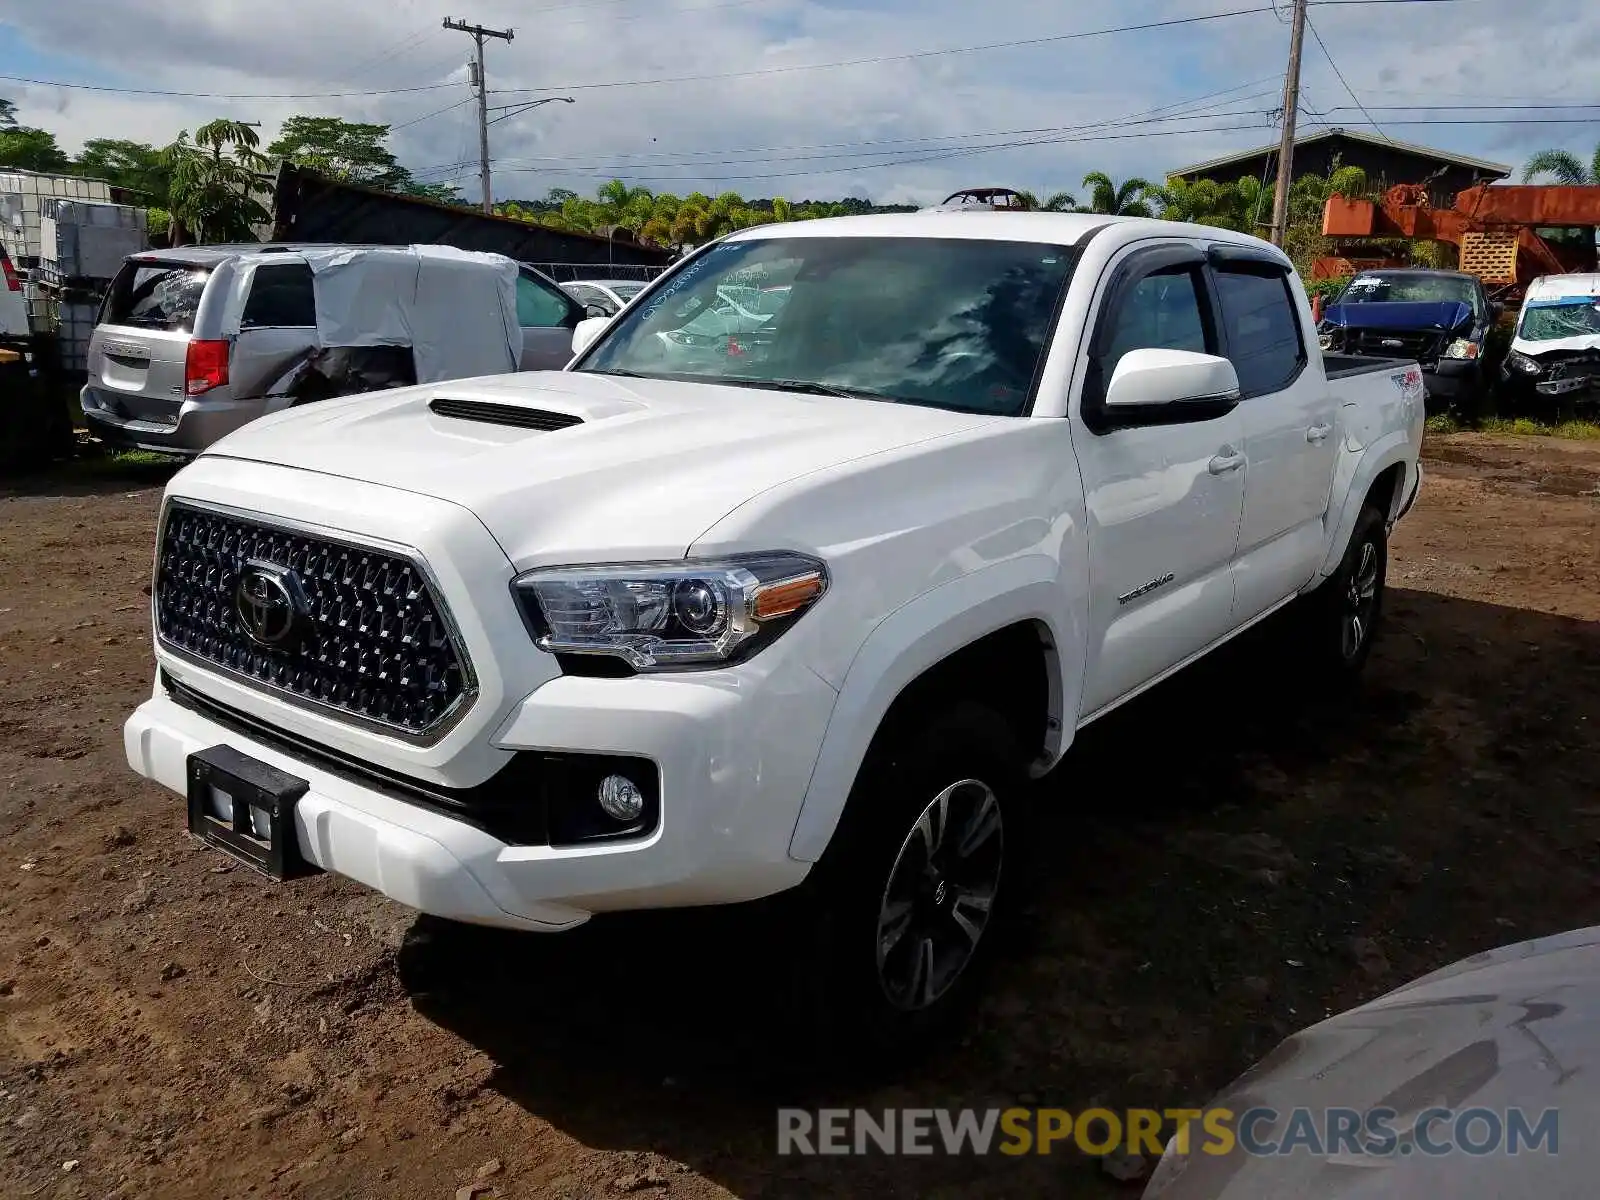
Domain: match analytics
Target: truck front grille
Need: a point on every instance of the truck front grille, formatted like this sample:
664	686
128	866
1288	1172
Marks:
1418	345
323	622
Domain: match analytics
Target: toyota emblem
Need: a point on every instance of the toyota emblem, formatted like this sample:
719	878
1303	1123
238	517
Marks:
269	602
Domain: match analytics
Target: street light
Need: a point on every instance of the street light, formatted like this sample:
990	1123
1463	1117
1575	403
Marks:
512	110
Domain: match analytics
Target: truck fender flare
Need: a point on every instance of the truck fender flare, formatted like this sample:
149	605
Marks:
917	636
1354	478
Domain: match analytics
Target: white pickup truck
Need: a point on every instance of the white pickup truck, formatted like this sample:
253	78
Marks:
802	615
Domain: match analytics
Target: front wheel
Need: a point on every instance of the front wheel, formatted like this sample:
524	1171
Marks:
906	906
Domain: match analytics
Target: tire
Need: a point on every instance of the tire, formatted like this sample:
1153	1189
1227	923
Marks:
897	941
1345	612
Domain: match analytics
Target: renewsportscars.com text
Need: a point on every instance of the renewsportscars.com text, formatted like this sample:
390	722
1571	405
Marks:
1375	1132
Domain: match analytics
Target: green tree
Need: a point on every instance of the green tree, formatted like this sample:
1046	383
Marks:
27	149
1565	166
352	151
8	114
1106	195
124	164
445	193
217	180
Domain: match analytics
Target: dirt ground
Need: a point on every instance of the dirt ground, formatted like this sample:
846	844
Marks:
1231	859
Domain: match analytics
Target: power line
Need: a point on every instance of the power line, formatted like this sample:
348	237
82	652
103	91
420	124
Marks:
916	145
429	116
1323	46
1465	107
902	57
127	91
941	156
401	47
913	55
1197	109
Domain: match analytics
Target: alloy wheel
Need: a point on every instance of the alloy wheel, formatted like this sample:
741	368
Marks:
1360	602
940	894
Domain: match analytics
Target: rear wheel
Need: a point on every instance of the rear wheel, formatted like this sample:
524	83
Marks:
1345	611
907	905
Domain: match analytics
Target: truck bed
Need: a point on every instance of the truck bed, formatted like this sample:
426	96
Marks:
1343	366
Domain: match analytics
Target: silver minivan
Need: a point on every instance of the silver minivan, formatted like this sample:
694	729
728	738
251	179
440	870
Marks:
165	375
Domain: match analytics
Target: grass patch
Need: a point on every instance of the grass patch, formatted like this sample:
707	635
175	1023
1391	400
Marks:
1582	431
142	458
1585	431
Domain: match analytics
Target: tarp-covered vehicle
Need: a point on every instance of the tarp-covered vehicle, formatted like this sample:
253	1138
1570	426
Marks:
1555	354
194	342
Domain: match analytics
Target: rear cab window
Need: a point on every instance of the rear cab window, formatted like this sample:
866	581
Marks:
159	295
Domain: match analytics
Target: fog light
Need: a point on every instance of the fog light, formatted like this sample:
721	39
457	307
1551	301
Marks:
621	798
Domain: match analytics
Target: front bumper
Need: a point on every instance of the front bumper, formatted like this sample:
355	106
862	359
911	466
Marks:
1450	381
734	756
198	423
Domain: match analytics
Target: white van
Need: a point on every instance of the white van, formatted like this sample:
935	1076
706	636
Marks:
1555	353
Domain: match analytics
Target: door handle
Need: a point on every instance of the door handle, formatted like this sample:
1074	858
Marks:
1228	459
1318	432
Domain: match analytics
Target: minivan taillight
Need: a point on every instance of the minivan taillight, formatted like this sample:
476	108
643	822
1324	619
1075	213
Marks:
205	366
13	284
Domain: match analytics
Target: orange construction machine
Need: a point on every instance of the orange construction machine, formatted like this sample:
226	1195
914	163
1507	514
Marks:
1507	236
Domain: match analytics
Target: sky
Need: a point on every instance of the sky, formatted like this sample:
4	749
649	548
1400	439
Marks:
898	125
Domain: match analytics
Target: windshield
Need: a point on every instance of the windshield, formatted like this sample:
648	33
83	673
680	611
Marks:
950	323
1391	289
1571	316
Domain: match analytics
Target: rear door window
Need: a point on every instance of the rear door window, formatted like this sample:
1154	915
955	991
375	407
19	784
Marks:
156	295
281	296
1264	341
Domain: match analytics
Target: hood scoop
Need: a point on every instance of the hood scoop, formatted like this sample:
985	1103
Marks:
514	415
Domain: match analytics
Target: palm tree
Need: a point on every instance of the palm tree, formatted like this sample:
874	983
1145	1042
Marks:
1565	166
215	181
1107	196
1205	202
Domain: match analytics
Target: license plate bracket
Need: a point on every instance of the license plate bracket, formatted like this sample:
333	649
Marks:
245	808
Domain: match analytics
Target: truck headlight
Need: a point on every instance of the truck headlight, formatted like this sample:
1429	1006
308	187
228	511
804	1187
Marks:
1462	348
659	615
1518	361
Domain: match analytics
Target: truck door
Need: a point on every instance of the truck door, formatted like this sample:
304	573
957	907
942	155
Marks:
1163	500
1290	417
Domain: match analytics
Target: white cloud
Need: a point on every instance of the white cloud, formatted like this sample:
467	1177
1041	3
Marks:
1392	54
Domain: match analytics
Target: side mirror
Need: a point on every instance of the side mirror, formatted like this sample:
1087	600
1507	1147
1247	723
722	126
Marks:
597	310
1171	385
586	332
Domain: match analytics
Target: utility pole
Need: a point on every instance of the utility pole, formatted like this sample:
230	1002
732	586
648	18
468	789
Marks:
481	82
1291	104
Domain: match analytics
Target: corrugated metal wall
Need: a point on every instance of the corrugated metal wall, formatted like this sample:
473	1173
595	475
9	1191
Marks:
309	208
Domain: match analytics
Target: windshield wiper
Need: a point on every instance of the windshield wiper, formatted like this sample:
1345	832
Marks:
808	387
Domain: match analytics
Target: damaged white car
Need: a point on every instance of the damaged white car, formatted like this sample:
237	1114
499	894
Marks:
1555	355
